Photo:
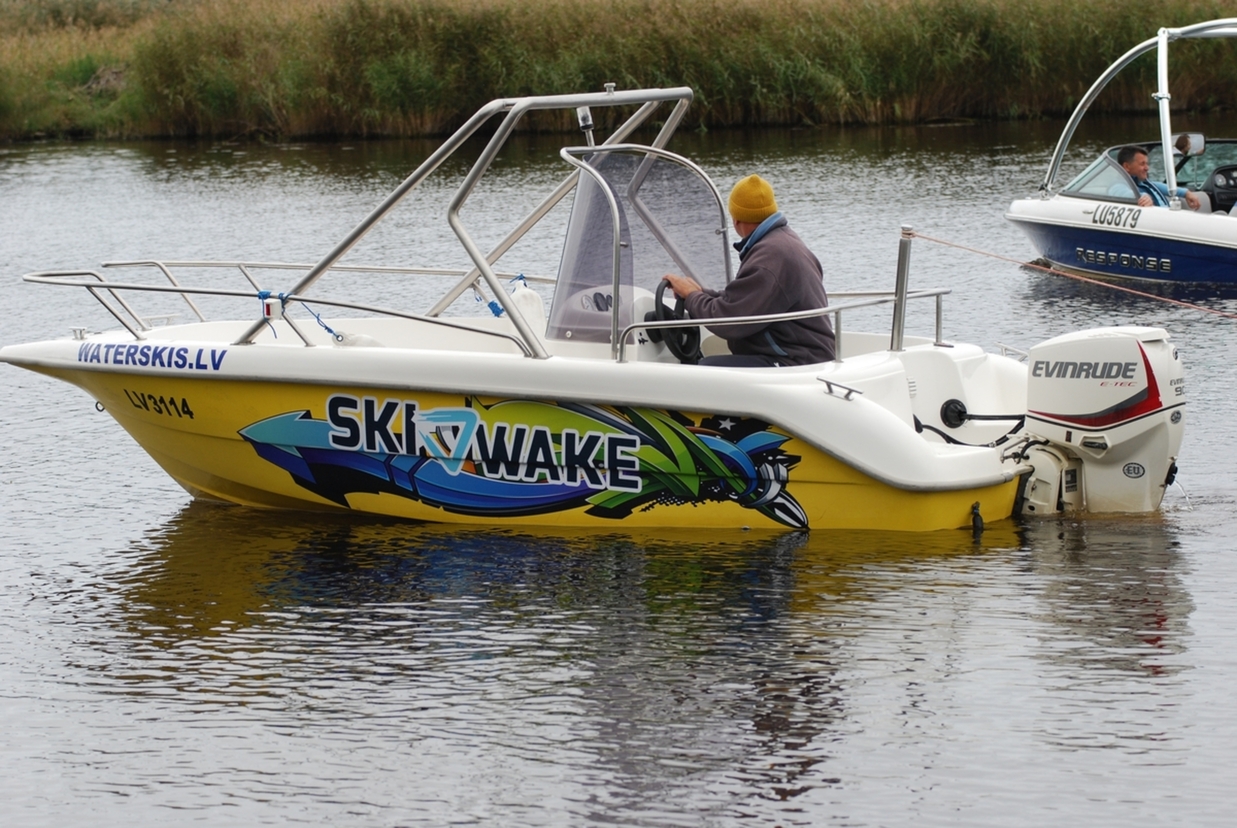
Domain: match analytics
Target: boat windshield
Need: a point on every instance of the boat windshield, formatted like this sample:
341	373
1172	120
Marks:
670	220
1104	180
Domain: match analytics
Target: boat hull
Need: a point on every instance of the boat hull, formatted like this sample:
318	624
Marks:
506	460
1130	242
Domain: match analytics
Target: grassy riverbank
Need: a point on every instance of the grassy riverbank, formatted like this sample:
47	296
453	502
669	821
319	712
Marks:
228	68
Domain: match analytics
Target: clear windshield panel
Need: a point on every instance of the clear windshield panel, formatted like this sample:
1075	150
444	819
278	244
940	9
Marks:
670	220
1104	179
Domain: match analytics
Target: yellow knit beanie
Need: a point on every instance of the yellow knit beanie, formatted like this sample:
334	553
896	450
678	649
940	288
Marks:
751	200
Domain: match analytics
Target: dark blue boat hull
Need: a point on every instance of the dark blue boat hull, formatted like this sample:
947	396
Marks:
1132	256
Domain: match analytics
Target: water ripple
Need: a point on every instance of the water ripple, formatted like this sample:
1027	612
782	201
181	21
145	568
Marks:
167	661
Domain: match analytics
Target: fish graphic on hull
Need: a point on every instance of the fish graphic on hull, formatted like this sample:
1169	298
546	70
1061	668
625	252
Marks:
517	458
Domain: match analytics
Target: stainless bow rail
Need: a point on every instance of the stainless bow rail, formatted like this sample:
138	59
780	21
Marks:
108	294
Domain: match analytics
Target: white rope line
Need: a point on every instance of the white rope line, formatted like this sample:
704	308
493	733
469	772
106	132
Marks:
1079	277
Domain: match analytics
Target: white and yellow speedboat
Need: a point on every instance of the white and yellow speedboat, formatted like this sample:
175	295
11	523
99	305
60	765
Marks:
589	412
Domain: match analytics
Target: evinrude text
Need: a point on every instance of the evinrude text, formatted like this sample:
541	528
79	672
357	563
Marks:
1084	370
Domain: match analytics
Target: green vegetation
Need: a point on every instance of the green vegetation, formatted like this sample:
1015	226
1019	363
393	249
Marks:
416	67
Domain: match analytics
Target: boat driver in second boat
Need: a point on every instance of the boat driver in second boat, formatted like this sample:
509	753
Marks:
1150	193
777	274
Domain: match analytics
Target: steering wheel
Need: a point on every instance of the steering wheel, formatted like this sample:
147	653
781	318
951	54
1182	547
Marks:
1221	188
684	342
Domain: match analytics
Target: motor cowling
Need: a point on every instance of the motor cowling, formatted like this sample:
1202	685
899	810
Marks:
1110	402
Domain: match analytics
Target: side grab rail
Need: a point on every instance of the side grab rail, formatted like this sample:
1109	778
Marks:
100	285
342	268
874	300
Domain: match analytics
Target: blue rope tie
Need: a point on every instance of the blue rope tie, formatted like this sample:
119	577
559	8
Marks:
325	327
493	305
263	295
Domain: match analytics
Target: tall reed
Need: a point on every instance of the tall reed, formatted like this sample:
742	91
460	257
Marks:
411	67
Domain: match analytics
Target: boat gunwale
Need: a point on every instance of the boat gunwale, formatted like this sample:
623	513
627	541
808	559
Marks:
705	393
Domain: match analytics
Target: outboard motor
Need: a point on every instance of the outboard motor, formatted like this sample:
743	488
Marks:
1110	402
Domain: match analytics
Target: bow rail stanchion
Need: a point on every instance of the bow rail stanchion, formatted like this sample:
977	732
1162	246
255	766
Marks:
899	300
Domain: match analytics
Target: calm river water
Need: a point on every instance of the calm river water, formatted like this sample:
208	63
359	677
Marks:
170	662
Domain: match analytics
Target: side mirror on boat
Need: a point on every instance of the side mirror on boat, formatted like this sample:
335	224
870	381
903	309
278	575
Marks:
1190	144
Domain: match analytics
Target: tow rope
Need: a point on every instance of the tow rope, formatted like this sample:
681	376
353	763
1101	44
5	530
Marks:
1078	277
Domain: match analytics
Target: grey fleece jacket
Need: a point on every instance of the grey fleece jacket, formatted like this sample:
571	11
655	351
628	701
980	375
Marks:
777	274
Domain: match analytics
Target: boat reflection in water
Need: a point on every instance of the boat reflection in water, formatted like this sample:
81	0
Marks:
214	568
644	658
1111	597
714	651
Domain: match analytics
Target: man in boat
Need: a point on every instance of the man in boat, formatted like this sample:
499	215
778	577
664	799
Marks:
1150	193
777	274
